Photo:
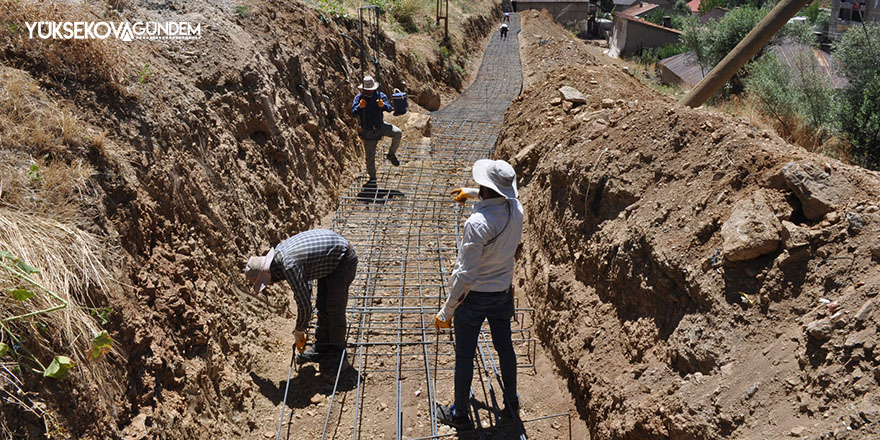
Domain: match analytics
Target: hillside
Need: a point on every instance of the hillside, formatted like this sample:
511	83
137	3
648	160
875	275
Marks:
694	277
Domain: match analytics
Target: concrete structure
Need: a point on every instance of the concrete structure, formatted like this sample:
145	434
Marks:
847	13
629	35
566	12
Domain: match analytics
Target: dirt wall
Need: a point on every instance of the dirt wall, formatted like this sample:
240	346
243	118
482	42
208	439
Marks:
663	326
213	150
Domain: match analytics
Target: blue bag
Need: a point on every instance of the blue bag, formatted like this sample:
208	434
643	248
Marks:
398	100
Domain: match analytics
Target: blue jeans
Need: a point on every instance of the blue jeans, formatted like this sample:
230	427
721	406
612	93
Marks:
497	307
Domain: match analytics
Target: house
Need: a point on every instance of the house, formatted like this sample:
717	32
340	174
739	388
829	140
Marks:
846	13
694	6
629	35
684	70
640	9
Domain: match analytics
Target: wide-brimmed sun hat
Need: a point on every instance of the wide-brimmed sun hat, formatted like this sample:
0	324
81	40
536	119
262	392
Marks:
257	270
369	84
496	174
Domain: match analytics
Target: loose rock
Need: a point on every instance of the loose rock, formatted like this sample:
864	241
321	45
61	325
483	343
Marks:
813	187
820	330
572	94
751	230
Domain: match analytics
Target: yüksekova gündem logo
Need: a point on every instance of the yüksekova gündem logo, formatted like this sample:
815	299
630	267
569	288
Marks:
125	31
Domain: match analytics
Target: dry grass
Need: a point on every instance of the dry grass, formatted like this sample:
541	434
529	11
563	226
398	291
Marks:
793	130
42	221
96	62
29	120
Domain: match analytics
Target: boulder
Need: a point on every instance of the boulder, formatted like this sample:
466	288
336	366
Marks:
572	95
815	188
429	99
419	122
607	103
751	230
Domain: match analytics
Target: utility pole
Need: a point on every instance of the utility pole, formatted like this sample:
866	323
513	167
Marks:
743	52
443	14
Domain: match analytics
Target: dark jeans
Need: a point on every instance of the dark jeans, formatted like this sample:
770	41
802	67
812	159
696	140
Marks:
497	307
331	302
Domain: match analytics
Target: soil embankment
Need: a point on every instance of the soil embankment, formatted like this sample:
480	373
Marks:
694	277
204	151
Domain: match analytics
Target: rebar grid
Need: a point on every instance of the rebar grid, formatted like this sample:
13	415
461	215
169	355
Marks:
406	238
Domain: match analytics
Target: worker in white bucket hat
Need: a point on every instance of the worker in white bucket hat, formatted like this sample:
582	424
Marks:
480	285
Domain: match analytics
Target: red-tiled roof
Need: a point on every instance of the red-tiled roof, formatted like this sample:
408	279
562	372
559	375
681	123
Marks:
694	5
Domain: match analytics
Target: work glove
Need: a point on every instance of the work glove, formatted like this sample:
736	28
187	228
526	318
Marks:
380	103
363	103
300	343
462	194
439	323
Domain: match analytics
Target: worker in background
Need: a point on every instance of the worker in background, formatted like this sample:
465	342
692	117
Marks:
503	31
320	255
369	106
480	286
507	17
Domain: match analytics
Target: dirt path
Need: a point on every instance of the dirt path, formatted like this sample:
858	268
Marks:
405	235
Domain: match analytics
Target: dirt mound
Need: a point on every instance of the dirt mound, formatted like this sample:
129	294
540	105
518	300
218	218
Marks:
694	277
213	149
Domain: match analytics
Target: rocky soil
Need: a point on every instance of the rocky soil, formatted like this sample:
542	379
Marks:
694	277
210	151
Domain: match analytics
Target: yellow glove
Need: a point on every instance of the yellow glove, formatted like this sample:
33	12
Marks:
300	343
461	195
363	103
438	324
380	103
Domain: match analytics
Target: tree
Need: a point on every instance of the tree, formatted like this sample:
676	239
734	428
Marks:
858	113
708	5
681	7
768	81
812	93
712	43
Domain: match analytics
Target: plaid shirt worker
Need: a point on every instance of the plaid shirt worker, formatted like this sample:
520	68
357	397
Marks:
310	255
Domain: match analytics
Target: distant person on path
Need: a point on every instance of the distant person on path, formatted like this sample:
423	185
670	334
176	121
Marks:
503	31
507	17
369	106
322	255
480	286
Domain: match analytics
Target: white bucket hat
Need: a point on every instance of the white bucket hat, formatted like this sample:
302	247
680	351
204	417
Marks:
498	175
369	84
257	270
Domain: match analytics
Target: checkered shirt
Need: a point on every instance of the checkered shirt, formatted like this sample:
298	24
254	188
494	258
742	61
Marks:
307	256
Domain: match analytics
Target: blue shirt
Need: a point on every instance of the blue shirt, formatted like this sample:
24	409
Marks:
372	114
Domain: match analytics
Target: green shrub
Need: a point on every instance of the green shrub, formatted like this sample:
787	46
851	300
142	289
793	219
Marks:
404	11
858	114
767	80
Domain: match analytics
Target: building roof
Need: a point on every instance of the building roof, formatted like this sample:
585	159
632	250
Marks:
640	8
686	68
625	3
716	12
694	5
628	17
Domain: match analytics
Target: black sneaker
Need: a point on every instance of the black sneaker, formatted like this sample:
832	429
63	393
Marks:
309	356
371	184
449	416
393	159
